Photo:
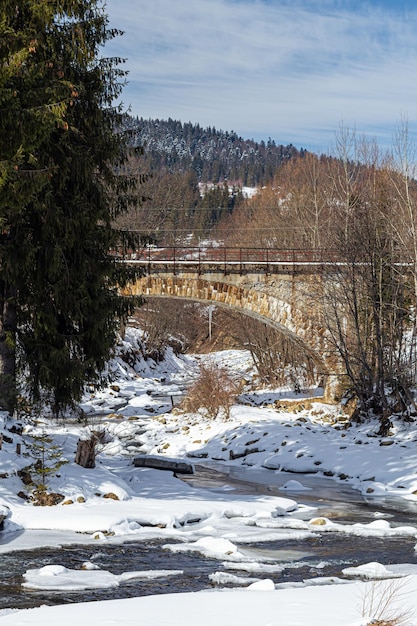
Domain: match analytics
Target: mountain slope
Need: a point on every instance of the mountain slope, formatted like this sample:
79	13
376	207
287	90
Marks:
213	155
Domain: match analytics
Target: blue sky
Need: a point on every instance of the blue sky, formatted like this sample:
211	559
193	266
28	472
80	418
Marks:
292	70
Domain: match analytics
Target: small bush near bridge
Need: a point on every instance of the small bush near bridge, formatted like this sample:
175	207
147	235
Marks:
213	393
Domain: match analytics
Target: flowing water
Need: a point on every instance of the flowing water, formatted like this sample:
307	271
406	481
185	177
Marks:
320	555
336	500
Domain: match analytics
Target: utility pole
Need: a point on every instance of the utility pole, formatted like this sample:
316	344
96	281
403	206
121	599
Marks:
210	318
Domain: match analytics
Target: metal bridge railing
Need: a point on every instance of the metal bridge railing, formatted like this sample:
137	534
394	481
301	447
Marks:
226	259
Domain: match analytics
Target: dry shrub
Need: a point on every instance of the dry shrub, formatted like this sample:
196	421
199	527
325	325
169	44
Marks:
383	603
213	392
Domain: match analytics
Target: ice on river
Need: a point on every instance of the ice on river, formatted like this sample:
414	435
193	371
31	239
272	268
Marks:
60	578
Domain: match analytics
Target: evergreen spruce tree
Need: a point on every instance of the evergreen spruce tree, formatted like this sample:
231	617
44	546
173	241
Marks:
62	158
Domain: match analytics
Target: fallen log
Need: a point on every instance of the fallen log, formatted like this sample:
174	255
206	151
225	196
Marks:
162	463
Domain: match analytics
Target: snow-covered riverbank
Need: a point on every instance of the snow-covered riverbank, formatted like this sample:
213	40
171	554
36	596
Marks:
116	501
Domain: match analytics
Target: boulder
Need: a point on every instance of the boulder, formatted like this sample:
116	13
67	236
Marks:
4	514
42	498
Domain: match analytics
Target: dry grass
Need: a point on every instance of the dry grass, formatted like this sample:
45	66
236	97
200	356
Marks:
383	603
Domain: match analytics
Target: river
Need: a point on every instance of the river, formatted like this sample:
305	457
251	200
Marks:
321	555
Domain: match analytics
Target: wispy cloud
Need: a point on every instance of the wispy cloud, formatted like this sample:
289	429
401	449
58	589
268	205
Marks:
291	70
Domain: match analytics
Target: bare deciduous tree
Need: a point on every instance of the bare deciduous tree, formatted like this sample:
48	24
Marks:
366	304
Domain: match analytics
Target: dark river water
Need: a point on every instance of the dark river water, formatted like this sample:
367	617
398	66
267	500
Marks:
320	555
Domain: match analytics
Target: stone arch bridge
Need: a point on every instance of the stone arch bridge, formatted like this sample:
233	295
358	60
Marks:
279	287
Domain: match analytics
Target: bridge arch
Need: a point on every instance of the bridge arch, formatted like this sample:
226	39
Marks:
276	303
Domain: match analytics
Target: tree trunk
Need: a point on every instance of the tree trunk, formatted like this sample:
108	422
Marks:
8	322
86	453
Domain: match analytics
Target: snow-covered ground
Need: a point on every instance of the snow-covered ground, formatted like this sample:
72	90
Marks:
116	501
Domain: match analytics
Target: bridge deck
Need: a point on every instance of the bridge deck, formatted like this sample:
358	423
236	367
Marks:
229	260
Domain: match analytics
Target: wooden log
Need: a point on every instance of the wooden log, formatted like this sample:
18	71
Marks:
86	453
162	463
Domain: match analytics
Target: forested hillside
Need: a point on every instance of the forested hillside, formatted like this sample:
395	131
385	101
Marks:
213	155
178	158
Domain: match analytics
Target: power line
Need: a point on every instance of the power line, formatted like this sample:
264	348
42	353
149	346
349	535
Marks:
202	209
158	231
